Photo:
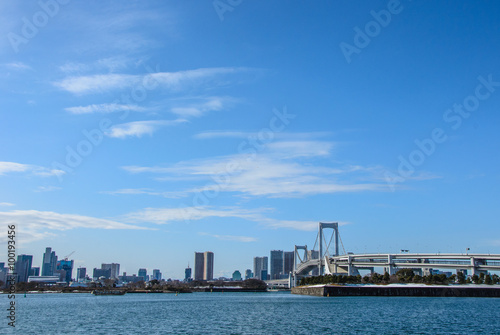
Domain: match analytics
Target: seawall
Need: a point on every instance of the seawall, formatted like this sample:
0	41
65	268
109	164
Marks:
397	291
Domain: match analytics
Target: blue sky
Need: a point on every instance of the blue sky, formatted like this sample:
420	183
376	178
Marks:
140	132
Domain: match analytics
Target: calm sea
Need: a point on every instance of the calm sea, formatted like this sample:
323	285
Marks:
250	313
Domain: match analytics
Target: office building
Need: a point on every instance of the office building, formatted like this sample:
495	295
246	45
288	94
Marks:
156	274
49	262
114	267
64	268
259	265
143	273
81	273
187	274
204	265
35	271
276	264
248	274
288	261
98	273
23	267
236	275
199	261
208	269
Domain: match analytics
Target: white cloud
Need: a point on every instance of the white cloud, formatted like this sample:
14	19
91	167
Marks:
173	81
170	215
196	109
104	108
281	169
146	191
35	225
139	128
17	66
246	135
244	239
6	204
11	167
47	188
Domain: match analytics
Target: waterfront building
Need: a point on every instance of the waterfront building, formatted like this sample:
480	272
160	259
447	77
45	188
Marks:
23	267
187	274
48	280
236	275
156	274
208	269
64	268
114	267
143	273
3	272
35	271
98	273
81	273
49	262
199	261
248	274
288	260
276	264
259	265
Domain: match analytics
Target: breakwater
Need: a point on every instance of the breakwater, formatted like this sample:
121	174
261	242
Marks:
400	290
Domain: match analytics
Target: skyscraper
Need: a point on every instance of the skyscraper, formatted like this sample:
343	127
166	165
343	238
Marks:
187	274
236	275
288	260
114	267
259	265
208	269
65	269
49	262
143	273
199	261
156	274
276	264
248	274
81	273
23	267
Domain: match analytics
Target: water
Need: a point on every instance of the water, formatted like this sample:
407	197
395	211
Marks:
249	313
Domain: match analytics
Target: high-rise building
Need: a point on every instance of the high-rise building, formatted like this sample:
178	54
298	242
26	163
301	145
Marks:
187	274
23	267
49	262
259	265
156	274
236	275
248	274
98	273
64	268
143	273
199	261
208	269
276	264
81	273
114	267
35	271
288	260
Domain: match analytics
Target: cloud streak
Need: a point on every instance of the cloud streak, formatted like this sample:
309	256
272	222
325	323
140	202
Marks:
13	167
104	108
140	128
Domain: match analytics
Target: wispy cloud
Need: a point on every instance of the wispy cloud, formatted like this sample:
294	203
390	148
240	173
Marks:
34	225
12	167
47	188
244	239
104	108
173	81
202	106
245	135
170	215
146	191
17	66
6	204
140	128
281	169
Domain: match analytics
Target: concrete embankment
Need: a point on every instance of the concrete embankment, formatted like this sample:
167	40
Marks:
400	290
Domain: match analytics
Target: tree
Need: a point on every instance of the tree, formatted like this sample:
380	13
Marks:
461	277
475	279
487	280
386	278
256	284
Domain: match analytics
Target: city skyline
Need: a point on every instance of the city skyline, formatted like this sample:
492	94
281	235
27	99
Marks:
142	132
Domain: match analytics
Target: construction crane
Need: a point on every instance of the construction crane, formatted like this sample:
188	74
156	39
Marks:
66	257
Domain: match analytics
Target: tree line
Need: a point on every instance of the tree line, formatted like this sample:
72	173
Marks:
402	276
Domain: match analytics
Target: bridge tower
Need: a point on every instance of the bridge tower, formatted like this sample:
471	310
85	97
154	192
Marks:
321	243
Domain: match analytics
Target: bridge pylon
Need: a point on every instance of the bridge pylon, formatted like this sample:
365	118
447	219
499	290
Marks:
323	247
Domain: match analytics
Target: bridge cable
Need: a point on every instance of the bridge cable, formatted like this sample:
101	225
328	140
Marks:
341	243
